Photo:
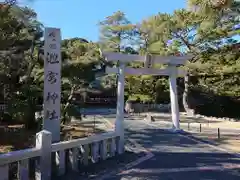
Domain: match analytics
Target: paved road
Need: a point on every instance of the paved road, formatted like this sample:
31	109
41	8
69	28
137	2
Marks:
166	119
168	124
176	157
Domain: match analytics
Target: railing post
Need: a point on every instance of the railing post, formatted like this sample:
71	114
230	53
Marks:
61	163
23	169
95	151
43	167
103	149
73	158
86	154
113	147
4	172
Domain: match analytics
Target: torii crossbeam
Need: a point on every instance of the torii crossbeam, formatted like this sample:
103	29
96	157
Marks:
172	71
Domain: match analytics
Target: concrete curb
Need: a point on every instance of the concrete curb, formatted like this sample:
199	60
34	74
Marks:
224	119
194	124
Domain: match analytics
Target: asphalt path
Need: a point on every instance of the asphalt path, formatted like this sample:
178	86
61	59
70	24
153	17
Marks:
176	157
167	124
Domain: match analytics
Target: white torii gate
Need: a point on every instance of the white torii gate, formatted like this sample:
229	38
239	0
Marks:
172	71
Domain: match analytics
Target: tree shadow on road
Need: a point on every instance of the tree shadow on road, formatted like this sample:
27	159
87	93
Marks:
172	150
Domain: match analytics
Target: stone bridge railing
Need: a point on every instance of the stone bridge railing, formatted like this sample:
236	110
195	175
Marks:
59	156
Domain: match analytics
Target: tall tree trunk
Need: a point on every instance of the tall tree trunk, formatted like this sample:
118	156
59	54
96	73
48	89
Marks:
186	106
65	109
30	121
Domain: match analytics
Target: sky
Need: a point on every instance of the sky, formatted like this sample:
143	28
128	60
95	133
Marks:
79	18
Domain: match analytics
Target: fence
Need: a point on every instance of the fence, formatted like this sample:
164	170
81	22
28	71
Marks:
138	107
58	157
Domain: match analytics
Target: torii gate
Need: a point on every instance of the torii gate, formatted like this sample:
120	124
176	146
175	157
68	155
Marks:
172	71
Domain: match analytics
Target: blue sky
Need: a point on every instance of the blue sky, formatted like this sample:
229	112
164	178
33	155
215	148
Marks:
79	18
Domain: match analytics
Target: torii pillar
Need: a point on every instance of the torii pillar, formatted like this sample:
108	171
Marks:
174	98
172	71
119	124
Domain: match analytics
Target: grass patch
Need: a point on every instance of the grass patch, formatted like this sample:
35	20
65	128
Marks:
18	137
227	141
15	138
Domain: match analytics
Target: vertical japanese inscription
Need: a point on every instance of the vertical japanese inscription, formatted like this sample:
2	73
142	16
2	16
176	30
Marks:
52	82
52	77
52	58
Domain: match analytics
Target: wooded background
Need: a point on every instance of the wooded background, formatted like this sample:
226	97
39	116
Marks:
207	29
